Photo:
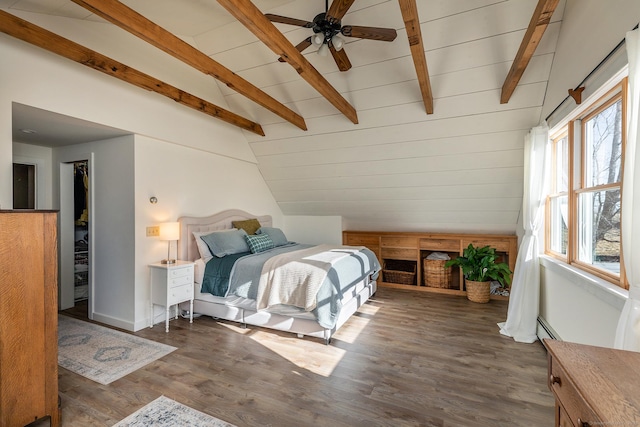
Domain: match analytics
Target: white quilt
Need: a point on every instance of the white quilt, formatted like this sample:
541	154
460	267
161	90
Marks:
294	278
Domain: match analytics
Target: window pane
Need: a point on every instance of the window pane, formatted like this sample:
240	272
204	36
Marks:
559	231
603	146
599	229
562	165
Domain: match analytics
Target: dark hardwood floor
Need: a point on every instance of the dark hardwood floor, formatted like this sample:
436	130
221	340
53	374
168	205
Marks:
406	359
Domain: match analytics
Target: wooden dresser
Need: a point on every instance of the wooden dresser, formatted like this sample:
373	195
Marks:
414	247
594	386
28	317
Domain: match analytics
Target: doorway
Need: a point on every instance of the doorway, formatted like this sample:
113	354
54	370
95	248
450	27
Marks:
24	186
76	237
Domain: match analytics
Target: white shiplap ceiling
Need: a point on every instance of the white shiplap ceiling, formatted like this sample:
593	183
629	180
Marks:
459	169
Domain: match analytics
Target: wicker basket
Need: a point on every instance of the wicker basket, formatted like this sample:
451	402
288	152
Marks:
435	275
478	291
402	272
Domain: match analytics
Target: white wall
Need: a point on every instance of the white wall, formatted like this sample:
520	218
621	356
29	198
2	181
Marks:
577	306
34	77
111	225
313	229
590	30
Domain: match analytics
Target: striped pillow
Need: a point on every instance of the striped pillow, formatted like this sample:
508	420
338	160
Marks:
259	242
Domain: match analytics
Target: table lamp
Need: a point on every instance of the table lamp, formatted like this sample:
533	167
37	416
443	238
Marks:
169	231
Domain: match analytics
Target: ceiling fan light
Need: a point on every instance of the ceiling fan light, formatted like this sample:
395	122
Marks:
317	39
337	42
324	49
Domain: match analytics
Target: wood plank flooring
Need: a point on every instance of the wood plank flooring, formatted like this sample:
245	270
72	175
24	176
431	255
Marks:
405	359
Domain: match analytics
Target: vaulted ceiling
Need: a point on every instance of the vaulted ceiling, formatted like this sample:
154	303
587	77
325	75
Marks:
397	167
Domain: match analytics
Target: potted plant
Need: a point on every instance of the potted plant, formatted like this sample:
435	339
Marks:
479	268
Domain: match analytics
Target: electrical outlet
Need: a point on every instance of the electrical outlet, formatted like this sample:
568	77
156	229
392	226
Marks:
153	231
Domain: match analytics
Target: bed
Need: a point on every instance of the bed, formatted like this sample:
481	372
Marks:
258	288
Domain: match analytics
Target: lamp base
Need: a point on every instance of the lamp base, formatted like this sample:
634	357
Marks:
168	261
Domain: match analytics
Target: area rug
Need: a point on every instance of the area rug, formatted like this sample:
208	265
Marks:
166	412
102	354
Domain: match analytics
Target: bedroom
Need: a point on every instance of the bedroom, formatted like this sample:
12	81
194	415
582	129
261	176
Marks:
165	141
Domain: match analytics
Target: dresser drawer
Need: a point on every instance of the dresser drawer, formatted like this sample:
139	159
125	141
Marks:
392	253
399	242
448	245
180	293
498	245
576	409
360	240
563	418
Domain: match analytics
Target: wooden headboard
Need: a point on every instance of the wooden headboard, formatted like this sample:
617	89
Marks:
187	249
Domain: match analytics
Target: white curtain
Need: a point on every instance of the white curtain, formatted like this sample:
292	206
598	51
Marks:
628	332
522	315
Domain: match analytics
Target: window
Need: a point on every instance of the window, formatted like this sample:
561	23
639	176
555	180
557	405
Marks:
583	207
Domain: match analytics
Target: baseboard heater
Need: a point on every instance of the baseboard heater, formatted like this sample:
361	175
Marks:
543	330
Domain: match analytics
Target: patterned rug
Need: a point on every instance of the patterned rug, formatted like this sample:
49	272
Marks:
166	412
102	354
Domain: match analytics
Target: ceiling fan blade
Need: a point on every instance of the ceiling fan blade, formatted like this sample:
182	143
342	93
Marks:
371	33
287	20
300	46
338	9
341	58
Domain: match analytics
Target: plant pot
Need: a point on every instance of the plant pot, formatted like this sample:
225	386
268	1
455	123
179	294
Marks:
478	291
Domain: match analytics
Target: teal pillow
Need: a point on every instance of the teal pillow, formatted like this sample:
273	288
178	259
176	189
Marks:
259	242
277	235
227	243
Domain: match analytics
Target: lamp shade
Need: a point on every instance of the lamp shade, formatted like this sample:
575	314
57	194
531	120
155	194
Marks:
170	231
337	42
317	39
324	49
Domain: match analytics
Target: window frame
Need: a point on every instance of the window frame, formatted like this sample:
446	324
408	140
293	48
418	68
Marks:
574	129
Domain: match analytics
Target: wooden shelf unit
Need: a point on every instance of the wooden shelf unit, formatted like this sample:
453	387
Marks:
415	246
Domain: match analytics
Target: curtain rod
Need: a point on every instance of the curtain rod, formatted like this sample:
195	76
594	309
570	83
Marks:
613	51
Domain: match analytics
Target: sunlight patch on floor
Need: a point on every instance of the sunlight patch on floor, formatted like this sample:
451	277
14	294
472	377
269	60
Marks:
235	327
295	350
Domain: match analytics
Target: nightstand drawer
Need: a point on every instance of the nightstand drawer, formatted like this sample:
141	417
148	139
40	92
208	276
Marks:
180	294
180	272
181	280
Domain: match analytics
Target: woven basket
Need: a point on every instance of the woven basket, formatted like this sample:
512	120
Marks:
435	275
395	271
478	291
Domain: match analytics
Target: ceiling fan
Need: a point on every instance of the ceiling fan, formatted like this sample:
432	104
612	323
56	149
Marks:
327	26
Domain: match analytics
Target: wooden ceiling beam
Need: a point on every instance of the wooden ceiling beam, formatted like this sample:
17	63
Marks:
537	26
37	36
252	18
131	21
412	24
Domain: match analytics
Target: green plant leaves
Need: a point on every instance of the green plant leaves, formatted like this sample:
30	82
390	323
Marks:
479	265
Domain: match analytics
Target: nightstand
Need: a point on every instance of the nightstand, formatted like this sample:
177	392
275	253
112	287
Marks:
171	284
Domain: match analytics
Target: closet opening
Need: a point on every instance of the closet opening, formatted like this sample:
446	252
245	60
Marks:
81	232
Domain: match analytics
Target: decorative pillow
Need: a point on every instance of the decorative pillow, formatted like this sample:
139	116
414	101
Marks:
203	249
277	235
259	242
226	243
248	225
